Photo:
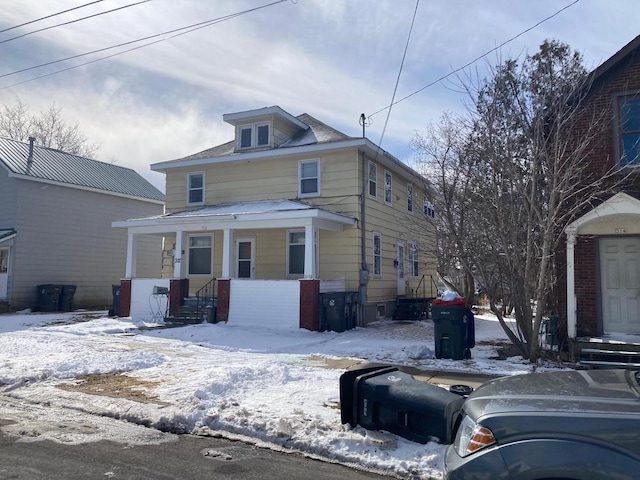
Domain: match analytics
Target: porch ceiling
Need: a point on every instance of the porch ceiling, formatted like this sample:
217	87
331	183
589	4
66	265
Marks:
239	216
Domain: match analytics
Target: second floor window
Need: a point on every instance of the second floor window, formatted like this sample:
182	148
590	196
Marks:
377	254
373	180
195	189
629	128
429	210
388	193
409	198
309	178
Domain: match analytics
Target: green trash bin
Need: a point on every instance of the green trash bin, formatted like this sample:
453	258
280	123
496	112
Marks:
65	303
115	310
453	331
48	297
333	306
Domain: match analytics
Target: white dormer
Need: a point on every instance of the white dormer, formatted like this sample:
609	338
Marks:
266	127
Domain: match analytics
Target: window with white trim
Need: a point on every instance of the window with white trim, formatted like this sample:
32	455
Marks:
373	180
254	135
628	108
377	254
429	210
4	260
414	261
409	198
309	178
388	185
295	252
195	189
200	255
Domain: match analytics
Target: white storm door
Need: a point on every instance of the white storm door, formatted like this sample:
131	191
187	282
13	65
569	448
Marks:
401	281
245	257
620	284
4	272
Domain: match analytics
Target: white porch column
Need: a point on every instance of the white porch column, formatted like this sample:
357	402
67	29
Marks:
572	330
310	252
177	255
130	270
227	252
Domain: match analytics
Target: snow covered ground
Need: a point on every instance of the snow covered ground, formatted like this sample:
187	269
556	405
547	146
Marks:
271	386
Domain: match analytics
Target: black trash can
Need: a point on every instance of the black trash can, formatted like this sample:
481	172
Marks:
48	297
333	305
383	398
351	309
454	331
66	298
115	311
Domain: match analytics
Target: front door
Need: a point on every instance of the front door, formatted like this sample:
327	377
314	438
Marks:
620	284
401	281
245	257
4	272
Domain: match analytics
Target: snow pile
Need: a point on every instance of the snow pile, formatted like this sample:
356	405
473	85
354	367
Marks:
271	385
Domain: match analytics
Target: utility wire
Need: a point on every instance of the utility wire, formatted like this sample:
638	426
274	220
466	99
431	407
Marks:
188	28
395	89
49	16
73	21
194	27
475	60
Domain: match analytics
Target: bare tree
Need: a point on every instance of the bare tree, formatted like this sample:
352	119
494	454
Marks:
49	128
522	166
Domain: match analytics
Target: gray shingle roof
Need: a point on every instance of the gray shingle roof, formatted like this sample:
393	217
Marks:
58	166
317	133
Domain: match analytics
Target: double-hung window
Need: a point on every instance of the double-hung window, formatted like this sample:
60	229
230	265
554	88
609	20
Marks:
414	262
409	198
388	183
629	130
254	135
309	178
429	210
295	252
377	254
195	189
200	255
373	180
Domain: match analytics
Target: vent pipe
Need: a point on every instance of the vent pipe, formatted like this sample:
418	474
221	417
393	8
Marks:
31	142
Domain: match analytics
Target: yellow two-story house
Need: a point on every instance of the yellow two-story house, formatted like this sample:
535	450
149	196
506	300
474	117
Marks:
289	209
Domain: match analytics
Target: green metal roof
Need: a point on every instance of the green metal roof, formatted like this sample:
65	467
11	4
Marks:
61	167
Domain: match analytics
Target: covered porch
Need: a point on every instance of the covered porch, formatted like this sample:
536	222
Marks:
603	284
255	258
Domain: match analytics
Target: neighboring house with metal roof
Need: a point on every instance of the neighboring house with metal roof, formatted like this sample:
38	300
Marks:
56	211
289	208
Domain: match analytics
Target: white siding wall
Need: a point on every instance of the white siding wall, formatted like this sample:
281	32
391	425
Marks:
275	303
146	306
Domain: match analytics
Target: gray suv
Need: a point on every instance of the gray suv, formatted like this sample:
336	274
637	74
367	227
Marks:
570	425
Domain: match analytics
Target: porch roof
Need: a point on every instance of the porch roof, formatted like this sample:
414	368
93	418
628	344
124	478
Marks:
618	206
261	214
7	234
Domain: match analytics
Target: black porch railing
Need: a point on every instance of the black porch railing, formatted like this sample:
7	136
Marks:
205	299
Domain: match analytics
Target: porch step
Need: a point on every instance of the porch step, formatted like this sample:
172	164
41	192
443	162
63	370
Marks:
607	357
412	308
187	313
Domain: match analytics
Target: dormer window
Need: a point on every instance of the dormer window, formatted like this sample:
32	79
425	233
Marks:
254	135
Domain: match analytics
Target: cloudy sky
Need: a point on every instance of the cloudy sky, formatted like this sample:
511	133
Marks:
333	59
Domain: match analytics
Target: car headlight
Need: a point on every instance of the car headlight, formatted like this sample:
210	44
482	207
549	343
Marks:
472	437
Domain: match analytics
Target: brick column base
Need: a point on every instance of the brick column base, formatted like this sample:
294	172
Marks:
224	295
125	298
178	290
309	305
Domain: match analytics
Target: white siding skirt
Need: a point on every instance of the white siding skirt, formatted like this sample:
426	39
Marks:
273	303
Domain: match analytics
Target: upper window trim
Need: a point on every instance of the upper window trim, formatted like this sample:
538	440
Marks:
312	194
374	181
189	176
254	134
388	188
619	150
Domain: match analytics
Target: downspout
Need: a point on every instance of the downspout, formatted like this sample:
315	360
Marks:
364	270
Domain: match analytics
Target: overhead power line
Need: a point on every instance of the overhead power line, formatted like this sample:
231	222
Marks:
182	30
475	60
49	16
73	21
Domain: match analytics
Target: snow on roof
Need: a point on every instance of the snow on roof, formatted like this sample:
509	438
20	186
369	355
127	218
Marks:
239	208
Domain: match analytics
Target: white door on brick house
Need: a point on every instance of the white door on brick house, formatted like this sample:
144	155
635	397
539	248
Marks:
620	284
400	260
4	272
245	257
